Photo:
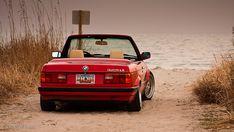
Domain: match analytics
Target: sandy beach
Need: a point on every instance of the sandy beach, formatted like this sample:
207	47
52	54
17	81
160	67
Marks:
179	41
173	108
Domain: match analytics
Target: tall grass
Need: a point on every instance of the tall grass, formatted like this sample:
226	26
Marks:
217	85
23	54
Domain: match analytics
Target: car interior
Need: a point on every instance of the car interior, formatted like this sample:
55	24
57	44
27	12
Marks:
114	54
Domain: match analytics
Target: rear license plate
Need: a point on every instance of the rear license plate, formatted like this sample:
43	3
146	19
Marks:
85	78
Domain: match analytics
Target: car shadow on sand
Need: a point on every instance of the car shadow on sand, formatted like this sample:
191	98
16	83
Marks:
87	107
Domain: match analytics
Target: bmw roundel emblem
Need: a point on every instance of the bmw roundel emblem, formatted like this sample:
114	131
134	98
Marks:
85	68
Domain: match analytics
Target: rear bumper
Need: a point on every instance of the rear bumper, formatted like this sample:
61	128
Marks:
88	94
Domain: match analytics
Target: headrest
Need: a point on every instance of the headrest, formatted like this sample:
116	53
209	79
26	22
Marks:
116	54
76	54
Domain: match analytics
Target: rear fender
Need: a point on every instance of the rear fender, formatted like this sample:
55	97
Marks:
147	75
147	78
137	82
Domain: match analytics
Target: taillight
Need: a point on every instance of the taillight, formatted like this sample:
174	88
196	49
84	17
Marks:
53	78
118	78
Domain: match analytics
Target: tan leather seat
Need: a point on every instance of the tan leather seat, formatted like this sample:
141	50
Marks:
116	54
76	54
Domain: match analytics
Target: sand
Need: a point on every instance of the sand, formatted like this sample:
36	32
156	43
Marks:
173	108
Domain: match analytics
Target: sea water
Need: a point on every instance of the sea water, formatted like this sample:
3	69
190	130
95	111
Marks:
184	51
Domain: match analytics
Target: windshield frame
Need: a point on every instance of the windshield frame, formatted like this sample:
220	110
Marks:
68	43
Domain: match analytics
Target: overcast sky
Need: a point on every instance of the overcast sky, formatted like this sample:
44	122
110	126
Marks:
149	16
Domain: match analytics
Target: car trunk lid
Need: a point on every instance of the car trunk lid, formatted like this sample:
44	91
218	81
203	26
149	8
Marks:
89	72
87	65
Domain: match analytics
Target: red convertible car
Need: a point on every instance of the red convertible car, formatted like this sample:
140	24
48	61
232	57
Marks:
97	67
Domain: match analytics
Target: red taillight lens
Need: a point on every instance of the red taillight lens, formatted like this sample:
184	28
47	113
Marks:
53	78
111	78
43	78
128	78
118	78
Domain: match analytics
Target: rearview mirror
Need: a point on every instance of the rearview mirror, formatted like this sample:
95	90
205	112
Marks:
56	54
145	55
101	42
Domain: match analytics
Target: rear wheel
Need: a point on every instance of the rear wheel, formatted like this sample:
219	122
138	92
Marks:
136	104
47	105
150	88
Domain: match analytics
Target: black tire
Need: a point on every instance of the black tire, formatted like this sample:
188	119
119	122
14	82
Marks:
47	105
136	104
149	88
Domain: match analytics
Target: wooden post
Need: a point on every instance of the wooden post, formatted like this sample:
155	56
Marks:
80	17
80	22
80	28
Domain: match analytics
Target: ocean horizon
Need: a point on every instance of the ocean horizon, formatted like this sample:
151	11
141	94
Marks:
184	51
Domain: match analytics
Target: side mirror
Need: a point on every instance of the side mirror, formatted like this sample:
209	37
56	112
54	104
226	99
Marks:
145	55
56	54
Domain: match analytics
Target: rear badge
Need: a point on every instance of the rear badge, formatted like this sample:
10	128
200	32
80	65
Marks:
115	70
85	68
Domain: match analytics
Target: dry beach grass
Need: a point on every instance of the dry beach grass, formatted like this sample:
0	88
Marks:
217	85
21	60
24	51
